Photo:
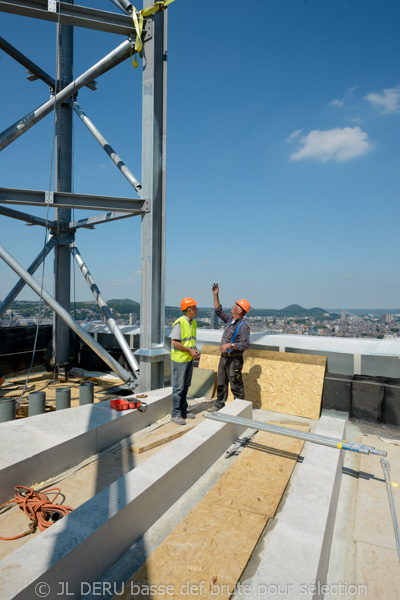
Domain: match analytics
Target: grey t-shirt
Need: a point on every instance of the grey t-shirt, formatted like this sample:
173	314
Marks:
176	331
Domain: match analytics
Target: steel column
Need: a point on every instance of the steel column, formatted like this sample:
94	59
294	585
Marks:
84	335
21	283
62	258
123	344
152	310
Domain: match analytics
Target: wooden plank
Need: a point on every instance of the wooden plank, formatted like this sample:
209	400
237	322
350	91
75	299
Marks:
165	436
205	555
279	381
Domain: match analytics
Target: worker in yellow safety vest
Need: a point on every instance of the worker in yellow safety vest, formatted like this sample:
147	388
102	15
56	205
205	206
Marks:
183	351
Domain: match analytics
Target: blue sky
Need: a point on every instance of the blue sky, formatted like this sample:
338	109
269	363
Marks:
283	155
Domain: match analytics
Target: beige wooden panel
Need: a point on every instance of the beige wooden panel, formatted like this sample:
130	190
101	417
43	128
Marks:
284	382
205	555
169	432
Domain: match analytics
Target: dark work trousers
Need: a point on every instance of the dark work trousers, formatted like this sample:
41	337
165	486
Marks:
229	371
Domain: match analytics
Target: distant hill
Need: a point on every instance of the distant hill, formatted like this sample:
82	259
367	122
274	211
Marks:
124	306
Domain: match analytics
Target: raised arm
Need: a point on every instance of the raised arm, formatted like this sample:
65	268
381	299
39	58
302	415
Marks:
215	290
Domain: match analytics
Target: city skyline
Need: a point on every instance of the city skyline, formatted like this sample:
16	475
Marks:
282	154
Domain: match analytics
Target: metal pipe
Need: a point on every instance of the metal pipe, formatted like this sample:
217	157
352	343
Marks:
107	148
313	437
239	443
293	433
17	129
371	449
86	337
106	310
21	283
123	5
386	471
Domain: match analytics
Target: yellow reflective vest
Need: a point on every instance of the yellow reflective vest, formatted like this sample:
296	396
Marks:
188	339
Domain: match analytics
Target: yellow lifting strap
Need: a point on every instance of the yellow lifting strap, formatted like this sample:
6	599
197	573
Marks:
138	18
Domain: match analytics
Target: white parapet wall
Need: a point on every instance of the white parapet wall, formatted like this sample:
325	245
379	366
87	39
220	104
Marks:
295	561
81	546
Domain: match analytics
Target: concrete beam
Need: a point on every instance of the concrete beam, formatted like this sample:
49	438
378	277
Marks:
81	546
37	448
297	550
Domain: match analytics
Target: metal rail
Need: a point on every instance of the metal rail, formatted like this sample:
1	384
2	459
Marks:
386	471
293	433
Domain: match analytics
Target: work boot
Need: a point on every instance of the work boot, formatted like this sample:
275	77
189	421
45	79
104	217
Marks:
178	420
190	416
214	408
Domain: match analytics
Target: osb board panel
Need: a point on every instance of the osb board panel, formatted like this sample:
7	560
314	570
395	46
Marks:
279	381
261	473
205	555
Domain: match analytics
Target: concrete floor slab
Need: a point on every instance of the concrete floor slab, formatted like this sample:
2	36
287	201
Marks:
297	549
36	448
373	522
378	572
81	546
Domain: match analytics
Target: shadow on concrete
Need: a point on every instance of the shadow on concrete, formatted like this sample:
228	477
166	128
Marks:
360	474
275	451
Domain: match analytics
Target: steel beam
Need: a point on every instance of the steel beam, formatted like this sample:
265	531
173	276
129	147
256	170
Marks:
21	216
123	344
31	269
67	200
22	125
90	222
80	16
31	66
152	310
84	335
107	148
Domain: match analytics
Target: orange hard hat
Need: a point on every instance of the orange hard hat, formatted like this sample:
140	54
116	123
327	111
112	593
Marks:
245	304
187	302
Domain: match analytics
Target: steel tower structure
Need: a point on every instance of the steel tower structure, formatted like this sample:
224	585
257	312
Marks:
149	203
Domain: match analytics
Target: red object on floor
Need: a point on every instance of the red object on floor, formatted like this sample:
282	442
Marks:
122	404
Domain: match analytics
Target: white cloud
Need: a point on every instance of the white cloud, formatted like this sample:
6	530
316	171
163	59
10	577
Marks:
336	102
387	101
333	144
294	135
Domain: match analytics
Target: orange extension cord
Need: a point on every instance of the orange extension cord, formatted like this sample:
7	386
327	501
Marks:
38	508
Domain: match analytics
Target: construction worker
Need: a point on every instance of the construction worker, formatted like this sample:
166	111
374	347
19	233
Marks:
235	340
183	352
